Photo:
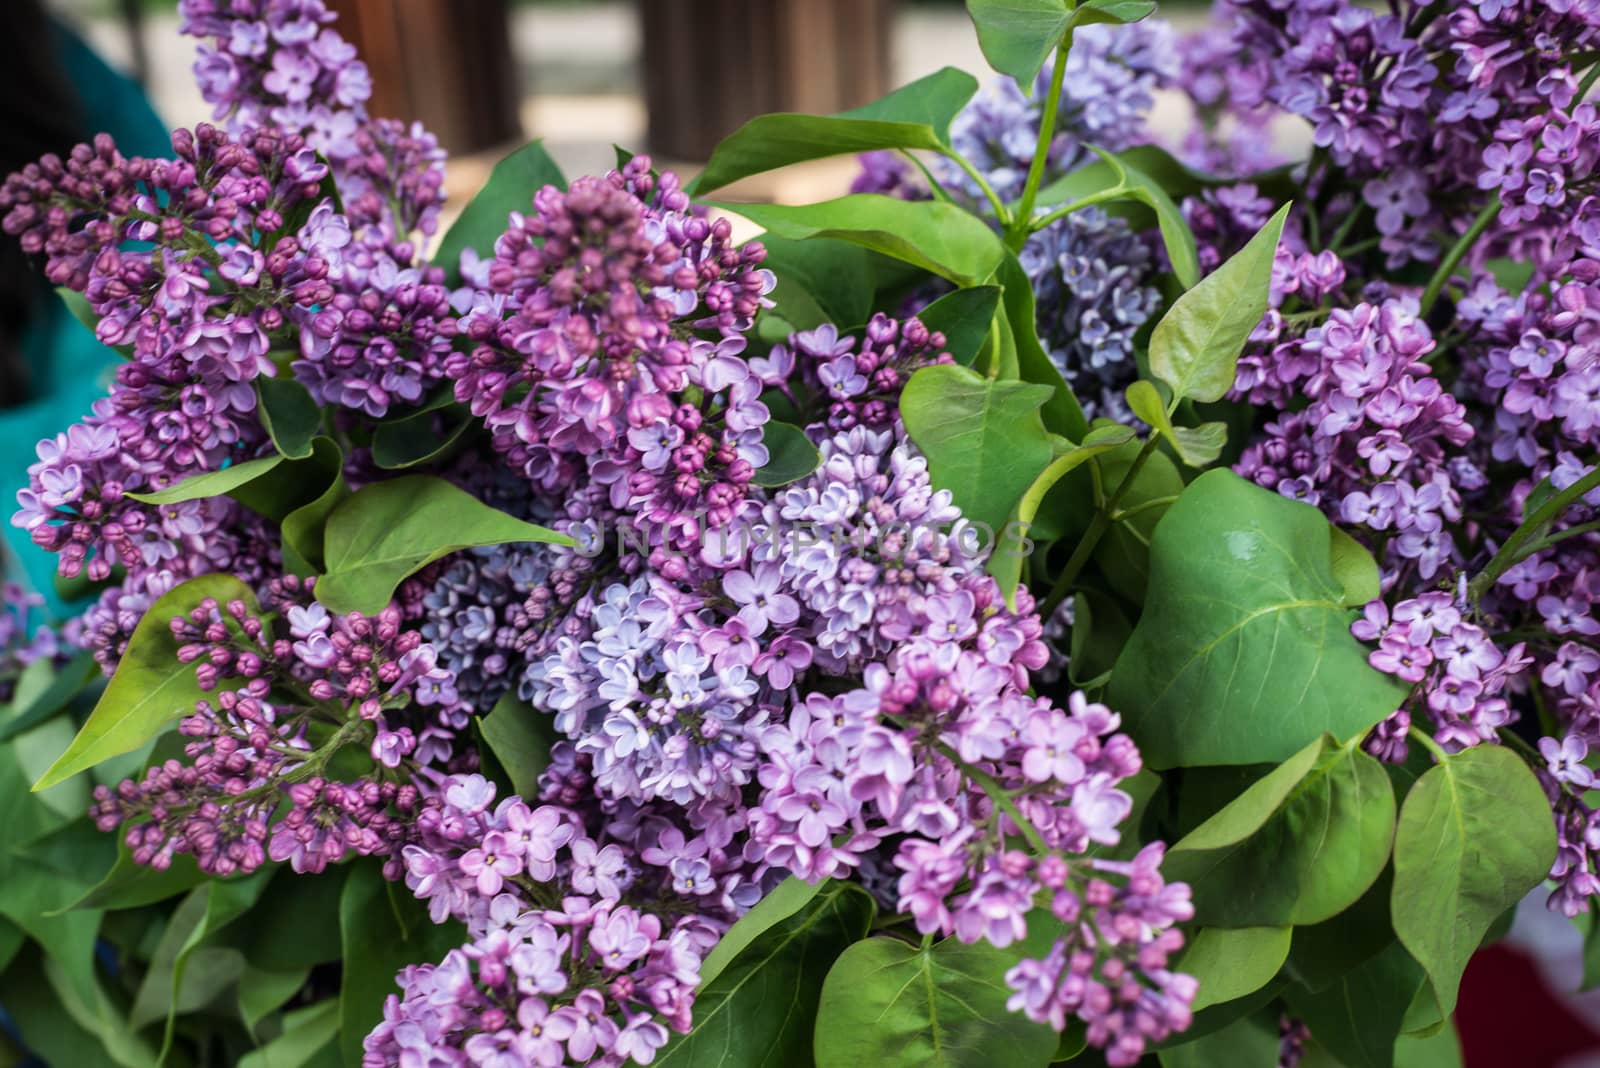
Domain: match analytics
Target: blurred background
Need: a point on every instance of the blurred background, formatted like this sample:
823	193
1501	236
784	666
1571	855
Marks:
669	76
674	76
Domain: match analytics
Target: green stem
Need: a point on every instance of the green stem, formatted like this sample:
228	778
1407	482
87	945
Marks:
1562	535
999	796
1345	227
1067	209
1154	502
1588	82
1464	243
1421	737
1517	546
1022	224
1097	528
1000	213
939	192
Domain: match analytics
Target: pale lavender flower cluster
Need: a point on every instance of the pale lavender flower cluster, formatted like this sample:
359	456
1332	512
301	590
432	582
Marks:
1456	670
278	63
1372	444
559	969
1090	275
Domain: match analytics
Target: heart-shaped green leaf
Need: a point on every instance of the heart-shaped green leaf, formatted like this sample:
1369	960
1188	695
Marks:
896	1005
790	455
511	186
964	318
983	438
1475	836
1231	962
1298	846
289	415
1243	654
761	1006
388	530
934	236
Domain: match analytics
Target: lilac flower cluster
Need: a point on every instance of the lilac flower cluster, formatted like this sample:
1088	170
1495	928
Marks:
1403	102
24	638
183	403
1373	442
594	281
254	788
1090	275
278	63
560	970
1455	668
821	371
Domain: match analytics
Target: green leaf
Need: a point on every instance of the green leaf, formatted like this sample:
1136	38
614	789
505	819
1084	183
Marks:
306	1032
151	687
295	925
934	236
304	527
1353	568
1243	653
942	1006
1297	847
50	699
983	438
291	418
381	534
790	455
761	1007
418	438
1176	237
1231	962
1441	1049
1196	446
184	974
1006	563
1358	1017
381	930
292	485
1475	836
1133	174
262	993
914	116
520	736
212	483
1018	35
129	885
1249	1042
963	317
511	186
1062	413
786	899
1322	952
819	281
1195	347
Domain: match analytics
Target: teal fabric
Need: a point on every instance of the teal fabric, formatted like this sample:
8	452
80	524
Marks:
70	369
